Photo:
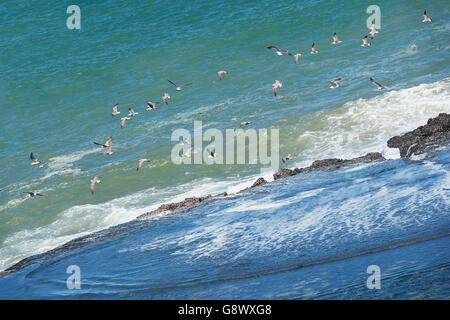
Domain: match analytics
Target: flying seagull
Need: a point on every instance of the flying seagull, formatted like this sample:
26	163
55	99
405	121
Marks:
426	18
122	121
335	83
221	74
166	97
373	30
131	112
335	39
32	194
278	51
178	88
185	141
152	105
245	123
365	43
34	160
106	144
296	57
141	162
115	112
93	182
377	84
288	157
211	154
313	49
275	86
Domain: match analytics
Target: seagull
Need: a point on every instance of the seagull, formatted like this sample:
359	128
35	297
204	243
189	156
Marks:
131	112
166	97
313	49
426	18
34	160
335	83
377	84
178	88
296	57
245	123
335	39
185	141
141	162
288	157
151	105
32	194
221	74
188	152
115	112
93	182
275	86
278	51
365	43
373	31
106	144
211	154
287	52
122	121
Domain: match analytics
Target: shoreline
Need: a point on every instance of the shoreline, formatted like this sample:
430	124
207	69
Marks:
434	134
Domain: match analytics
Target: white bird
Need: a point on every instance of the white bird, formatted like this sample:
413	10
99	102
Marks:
32	194
115	112
296	56
166	97
151	105
211	154
275	86
335	39
365	43
288	157
106	144
141	162
178	88
185	141
335	83
373	31
221	74
426	18
189	151
34	160
93	182
377	84
122	121
131	112
278	51
313	49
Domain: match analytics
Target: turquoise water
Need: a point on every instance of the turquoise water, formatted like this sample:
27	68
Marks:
58	87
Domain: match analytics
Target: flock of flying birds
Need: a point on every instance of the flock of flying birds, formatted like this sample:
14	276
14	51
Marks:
151	105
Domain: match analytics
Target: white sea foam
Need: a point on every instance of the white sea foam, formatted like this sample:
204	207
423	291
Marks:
364	125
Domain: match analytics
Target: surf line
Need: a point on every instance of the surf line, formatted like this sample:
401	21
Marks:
234	145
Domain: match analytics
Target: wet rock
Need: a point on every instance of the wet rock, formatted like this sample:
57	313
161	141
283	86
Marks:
259	182
283	173
435	133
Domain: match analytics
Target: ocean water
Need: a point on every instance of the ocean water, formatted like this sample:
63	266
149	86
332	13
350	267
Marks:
58	87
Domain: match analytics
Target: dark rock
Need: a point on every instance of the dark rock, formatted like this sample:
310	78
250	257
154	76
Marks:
436	132
259	182
283	173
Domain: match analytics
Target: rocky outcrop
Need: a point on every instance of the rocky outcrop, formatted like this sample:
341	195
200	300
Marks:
435	133
259	182
331	164
185	204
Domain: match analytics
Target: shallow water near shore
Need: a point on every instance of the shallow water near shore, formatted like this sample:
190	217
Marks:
58	88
